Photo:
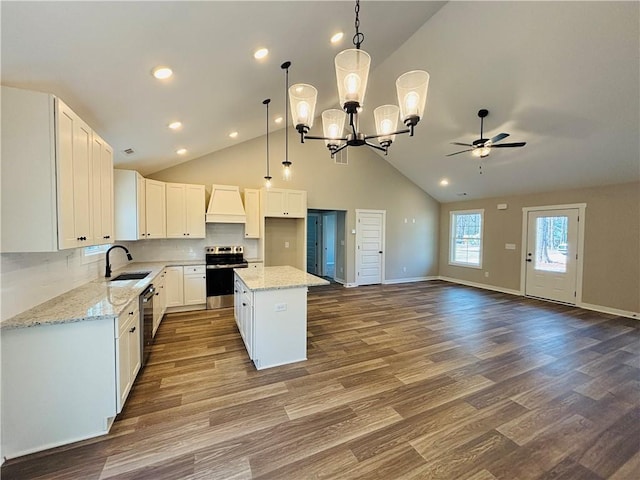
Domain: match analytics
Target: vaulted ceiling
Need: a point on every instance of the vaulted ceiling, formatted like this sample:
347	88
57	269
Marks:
562	76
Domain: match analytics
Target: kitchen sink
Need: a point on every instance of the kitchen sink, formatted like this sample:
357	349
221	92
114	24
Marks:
131	276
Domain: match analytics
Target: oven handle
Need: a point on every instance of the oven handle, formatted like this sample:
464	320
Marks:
219	267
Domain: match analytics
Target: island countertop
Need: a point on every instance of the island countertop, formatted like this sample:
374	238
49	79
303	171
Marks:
277	278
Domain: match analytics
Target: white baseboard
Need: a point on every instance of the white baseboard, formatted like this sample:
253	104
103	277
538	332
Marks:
586	306
612	311
407	280
481	285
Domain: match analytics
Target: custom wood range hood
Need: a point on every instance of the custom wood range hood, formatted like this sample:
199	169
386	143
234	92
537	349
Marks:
225	205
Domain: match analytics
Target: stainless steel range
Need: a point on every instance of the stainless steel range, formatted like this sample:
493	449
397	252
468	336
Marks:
220	264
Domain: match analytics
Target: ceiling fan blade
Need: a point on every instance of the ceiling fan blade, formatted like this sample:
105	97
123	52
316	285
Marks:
463	144
509	145
462	151
499	137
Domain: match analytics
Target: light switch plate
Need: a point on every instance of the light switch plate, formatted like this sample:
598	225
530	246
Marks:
510	246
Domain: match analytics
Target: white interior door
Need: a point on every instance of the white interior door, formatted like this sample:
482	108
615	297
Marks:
370	226
551	256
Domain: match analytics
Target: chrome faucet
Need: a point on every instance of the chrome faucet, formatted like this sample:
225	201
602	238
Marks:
107	272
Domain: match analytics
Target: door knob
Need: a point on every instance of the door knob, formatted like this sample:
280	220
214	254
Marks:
528	259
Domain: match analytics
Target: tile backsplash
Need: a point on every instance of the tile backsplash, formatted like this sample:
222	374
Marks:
28	279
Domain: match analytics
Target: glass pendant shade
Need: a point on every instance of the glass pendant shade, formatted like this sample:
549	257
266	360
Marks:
287	171
386	117
302	100
352	73
412	94
333	125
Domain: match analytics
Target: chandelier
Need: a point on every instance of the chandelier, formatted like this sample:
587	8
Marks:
352	72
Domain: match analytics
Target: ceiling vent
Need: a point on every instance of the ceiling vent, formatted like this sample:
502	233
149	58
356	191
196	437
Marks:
342	157
129	151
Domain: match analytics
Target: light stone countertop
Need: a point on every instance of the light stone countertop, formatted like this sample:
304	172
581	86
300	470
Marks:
100	299
277	278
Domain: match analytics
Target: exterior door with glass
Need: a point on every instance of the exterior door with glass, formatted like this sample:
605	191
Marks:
552	254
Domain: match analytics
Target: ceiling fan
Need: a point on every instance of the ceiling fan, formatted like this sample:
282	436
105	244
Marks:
482	147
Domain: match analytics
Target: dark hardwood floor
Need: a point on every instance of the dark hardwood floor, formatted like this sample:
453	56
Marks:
428	380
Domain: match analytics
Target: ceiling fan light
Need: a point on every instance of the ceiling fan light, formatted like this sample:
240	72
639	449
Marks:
333	126
412	95
386	117
302	101
352	73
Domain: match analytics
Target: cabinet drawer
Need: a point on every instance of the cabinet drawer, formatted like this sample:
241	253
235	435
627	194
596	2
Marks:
194	269
124	320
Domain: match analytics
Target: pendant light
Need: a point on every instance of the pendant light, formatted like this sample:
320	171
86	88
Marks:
286	172
267	177
352	73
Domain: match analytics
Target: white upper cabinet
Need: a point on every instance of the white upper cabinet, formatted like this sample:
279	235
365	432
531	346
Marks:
252	209
47	174
130	203
156	209
185	210
102	187
277	202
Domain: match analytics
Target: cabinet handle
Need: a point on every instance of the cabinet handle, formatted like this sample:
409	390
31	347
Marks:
130	313
133	329
188	234
244	304
157	294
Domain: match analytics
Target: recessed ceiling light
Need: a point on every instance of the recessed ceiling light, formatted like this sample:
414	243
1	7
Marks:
233	134
175	125
181	151
444	182
162	73
260	53
337	37
278	120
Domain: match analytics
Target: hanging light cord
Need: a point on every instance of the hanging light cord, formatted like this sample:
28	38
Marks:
358	38
286	114
266	102
285	66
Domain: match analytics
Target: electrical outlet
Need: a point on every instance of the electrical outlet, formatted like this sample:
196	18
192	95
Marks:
486	274
404	269
286	244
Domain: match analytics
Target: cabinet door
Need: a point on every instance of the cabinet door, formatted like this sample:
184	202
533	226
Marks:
122	371
174	287
141	204
74	200
195	211
176	207
252	209
156	209
106	197
274	202
102	190
296	204
135	355
195	289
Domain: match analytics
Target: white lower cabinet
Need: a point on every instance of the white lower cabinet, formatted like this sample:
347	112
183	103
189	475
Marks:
195	285
186	286
272	323
160	300
128	353
174	285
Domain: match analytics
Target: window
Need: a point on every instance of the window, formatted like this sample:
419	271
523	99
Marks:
94	253
465	248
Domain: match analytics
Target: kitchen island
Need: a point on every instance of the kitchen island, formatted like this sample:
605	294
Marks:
270	308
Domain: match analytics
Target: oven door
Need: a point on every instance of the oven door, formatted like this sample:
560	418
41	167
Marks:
219	286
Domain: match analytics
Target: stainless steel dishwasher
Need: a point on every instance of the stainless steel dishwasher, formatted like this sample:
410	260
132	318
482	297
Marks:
146	322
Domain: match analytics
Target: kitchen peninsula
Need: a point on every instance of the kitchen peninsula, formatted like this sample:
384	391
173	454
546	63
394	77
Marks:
271	313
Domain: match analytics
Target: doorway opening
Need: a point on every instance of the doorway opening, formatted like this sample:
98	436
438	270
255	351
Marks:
325	244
